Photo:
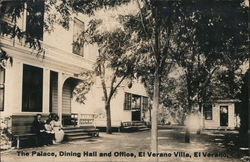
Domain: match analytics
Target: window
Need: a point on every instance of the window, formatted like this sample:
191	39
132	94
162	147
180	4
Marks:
32	89
2	79
136	102
208	112
145	103
53	94
127	101
35	19
78	40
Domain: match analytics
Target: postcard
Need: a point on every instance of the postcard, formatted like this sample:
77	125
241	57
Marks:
124	80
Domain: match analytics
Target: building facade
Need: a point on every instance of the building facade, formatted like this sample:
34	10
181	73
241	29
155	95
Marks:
41	80
221	115
129	104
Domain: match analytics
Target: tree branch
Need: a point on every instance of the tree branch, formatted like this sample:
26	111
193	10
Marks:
115	88
113	80
143	25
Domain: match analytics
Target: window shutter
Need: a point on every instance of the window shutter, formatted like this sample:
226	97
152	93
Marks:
127	101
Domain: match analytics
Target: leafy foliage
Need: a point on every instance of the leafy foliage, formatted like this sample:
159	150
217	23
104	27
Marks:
4	59
84	86
208	41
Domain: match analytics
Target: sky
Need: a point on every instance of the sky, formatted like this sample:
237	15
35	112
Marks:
109	16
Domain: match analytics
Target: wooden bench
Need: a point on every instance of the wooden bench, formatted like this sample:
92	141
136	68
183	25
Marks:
91	130
21	128
102	124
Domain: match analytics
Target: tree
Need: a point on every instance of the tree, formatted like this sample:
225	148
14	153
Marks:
207	41
153	28
114	64
244	110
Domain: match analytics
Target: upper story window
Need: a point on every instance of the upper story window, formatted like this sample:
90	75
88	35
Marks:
78	40
35	19
2	80
32	89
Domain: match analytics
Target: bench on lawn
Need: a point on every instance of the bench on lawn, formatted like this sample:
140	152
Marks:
91	130
21	128
102	124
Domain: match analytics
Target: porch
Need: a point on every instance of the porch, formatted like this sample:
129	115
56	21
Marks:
18	129
79	126
132	126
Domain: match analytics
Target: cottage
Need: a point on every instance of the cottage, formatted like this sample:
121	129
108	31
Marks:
129	105
220	115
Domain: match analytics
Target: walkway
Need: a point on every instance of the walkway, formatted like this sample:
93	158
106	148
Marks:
130	146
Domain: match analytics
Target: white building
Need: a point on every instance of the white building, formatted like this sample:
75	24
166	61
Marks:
42	81
127	104
220	115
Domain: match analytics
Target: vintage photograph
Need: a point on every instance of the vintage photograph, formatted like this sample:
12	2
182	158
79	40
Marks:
124	80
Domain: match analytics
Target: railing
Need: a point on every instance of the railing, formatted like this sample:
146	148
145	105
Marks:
86	120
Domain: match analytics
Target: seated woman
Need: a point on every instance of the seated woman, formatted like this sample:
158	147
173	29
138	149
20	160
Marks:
49	130
57	129
47	125
38	127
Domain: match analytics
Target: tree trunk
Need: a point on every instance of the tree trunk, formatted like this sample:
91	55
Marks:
200	111
154	129
189	91
108	114
187	136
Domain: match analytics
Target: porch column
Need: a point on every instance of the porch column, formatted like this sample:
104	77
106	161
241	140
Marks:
46	90
60	86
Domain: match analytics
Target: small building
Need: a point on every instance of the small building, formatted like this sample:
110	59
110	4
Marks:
220	115
128	105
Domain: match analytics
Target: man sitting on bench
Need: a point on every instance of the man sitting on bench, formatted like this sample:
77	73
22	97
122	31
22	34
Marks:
44	138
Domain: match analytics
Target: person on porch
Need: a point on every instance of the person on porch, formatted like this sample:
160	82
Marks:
57	128
38	127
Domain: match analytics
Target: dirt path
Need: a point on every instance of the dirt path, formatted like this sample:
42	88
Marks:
208	146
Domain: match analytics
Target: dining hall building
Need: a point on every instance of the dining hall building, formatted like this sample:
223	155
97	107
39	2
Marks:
42	81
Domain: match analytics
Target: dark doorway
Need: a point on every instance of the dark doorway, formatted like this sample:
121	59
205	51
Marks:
136	115
223	115
136	107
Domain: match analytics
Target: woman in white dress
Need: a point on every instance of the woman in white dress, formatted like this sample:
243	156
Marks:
57	129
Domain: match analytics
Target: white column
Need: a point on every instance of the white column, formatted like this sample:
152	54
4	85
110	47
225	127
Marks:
60	86
46	90
13	88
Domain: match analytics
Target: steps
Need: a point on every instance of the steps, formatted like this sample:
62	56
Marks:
134	126
76	133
